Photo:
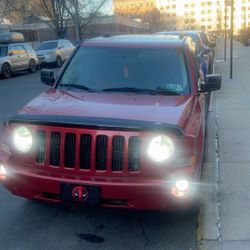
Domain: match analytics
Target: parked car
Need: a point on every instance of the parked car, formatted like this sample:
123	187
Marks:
202	54
122	126
54	52
15	57
209	48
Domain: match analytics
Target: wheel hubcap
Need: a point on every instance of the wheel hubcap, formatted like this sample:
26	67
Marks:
6	71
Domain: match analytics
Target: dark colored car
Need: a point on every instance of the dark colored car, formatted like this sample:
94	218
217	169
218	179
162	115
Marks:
122	126
209	47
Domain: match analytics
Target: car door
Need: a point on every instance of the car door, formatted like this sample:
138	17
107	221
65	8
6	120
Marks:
24	57
13	57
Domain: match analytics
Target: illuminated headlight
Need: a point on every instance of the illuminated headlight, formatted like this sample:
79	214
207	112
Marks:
160	148
180	188
182	185
22	139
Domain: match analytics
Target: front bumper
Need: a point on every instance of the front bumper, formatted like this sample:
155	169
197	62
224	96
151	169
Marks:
120	192
47	59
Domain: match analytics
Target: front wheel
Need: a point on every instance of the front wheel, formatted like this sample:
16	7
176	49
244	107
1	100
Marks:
59	62
32	66
6	71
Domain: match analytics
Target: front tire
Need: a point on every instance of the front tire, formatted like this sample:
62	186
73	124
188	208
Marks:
32	66
59	62
6	71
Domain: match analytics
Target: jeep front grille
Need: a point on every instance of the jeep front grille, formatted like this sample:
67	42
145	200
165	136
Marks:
88	152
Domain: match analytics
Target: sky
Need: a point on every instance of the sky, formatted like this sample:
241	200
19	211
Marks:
108	7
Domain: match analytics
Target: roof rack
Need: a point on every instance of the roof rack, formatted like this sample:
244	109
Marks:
11	37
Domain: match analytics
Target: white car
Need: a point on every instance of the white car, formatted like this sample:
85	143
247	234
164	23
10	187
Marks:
54	52
16	57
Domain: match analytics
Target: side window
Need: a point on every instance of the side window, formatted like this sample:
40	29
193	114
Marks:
196	66
68	43
197	70
19	50
13	50
28	48
61	44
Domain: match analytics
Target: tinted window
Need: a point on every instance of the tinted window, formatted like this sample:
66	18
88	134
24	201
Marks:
3	51
102	68
48	45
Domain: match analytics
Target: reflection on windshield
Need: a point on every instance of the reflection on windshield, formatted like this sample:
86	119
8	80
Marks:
3	51
143	68
48	45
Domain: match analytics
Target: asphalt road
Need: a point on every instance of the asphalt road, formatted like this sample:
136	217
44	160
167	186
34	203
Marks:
27	224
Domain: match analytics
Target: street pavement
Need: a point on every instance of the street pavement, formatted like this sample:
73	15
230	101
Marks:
226	217
32	225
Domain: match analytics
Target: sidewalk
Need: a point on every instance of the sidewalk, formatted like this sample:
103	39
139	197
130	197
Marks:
225	220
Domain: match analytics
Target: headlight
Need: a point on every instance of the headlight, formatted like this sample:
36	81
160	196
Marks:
160	148
22	139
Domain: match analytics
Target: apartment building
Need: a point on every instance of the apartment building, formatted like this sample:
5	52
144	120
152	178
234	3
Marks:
188	14
133	8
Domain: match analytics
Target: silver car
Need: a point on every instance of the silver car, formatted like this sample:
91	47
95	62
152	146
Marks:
17	57
54	52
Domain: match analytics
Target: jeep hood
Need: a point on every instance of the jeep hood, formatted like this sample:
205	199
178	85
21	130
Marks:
173	110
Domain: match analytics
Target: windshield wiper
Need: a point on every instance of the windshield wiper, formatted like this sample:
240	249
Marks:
142	91
76	86
132	90
166	91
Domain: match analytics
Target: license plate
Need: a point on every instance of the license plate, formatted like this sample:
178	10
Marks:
80	193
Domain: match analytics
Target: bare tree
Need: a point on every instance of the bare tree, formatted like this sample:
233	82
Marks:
83	12
154	19
57	14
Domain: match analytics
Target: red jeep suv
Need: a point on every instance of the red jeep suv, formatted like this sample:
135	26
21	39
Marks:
123	125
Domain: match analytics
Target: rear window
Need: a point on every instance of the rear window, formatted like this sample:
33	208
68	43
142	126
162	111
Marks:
48	45
102	68
3	51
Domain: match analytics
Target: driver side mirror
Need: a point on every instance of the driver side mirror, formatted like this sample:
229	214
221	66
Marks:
47	77
213	83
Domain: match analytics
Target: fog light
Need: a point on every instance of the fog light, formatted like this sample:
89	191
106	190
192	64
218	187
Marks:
180	188
3	172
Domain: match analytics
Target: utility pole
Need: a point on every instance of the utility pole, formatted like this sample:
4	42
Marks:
225	41
77	23
231	39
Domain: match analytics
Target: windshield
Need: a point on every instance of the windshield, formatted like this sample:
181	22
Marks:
105	68
3	51
48	45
